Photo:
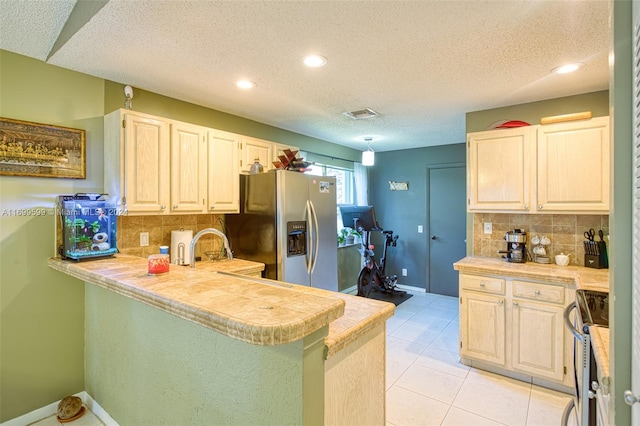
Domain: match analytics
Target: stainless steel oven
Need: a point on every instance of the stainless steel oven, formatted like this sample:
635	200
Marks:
592	309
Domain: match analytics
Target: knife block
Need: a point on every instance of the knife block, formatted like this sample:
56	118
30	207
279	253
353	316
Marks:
597	261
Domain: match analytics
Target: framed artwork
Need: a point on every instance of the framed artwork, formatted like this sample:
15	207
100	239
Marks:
41	150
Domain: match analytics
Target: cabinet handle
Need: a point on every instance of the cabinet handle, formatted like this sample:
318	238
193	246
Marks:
175	206
591	394
482	285
526	207
539	206
163	207
515	304
501	302
537	292
595	385
211	207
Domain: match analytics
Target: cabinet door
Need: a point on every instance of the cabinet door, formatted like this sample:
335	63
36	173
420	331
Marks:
146	164
573	166
223	179
538	339
187	168
253	149
482	327
499	169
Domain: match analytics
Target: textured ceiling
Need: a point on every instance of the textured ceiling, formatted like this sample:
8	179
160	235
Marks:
421	64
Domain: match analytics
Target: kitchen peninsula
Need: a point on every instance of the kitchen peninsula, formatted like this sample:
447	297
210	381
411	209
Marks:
199	345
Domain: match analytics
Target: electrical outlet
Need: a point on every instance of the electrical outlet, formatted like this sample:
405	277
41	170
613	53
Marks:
404	272
420	229
488	228
144	239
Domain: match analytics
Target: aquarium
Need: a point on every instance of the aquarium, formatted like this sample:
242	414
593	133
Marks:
88	224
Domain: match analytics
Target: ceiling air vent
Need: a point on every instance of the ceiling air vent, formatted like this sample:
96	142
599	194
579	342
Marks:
360	114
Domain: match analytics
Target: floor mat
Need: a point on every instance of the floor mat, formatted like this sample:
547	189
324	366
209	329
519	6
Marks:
394	298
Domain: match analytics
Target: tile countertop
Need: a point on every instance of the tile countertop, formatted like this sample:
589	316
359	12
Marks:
578	276
600	345
253	310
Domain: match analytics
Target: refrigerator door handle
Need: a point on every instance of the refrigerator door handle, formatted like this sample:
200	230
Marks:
310	237
315	239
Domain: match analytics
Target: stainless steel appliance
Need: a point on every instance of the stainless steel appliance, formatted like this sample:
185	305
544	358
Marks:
287	221
592	309
516	246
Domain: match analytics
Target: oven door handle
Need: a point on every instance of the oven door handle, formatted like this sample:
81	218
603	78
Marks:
567	412
569	324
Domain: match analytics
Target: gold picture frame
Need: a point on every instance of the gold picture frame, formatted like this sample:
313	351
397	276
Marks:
41	150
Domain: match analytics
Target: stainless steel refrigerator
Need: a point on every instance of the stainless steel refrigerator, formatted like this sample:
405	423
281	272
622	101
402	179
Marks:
287	221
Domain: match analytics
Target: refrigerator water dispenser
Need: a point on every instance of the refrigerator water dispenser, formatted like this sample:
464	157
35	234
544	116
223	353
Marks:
296	238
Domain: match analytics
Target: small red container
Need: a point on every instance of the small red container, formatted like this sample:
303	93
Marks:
158	264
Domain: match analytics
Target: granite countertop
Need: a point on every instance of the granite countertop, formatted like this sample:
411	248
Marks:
600	345
578	277
253	310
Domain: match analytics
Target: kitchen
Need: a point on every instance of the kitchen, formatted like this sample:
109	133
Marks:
86	95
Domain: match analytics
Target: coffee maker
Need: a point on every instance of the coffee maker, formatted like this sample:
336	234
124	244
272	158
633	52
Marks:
516	251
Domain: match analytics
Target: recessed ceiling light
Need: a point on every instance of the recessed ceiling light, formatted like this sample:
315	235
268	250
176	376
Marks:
245	84
565	69
314	61
368	138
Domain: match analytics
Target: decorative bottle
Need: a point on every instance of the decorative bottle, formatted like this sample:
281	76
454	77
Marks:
256	167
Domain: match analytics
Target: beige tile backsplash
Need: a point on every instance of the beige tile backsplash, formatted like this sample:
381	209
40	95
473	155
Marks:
159	229
564	230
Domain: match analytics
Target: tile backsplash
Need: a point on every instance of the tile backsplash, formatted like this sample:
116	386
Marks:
159	229
564	230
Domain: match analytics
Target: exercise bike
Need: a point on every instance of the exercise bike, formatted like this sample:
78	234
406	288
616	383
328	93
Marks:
372	276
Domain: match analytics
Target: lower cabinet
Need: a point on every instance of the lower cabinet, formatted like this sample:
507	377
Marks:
516	326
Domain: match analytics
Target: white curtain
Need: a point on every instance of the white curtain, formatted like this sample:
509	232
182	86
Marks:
360	174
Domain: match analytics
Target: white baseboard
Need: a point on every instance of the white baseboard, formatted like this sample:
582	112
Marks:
51	409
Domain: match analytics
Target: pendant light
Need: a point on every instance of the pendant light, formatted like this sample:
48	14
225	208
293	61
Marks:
368	156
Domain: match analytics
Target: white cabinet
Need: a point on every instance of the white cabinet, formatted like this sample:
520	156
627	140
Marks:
573	167
498	169
155	165
188	168
561	168
516	326
482	327
252	149
136	168
223	179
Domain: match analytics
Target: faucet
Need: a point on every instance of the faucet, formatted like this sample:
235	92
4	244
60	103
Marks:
195	239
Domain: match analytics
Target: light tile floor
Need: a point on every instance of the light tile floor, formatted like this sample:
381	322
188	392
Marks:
427	385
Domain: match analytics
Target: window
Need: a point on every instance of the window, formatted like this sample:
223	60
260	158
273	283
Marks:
344	186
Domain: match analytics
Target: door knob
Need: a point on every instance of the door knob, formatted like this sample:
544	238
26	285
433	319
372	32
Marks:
433	237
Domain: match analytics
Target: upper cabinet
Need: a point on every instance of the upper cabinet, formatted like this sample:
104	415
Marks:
558	168
223	183
573	169
188	168
499	169
252	149
136	168
160	166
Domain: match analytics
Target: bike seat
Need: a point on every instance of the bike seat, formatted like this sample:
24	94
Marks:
388	232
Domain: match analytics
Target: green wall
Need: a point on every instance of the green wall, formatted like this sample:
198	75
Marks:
403	211
621	217
596	102
148	367
152	103
42	316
